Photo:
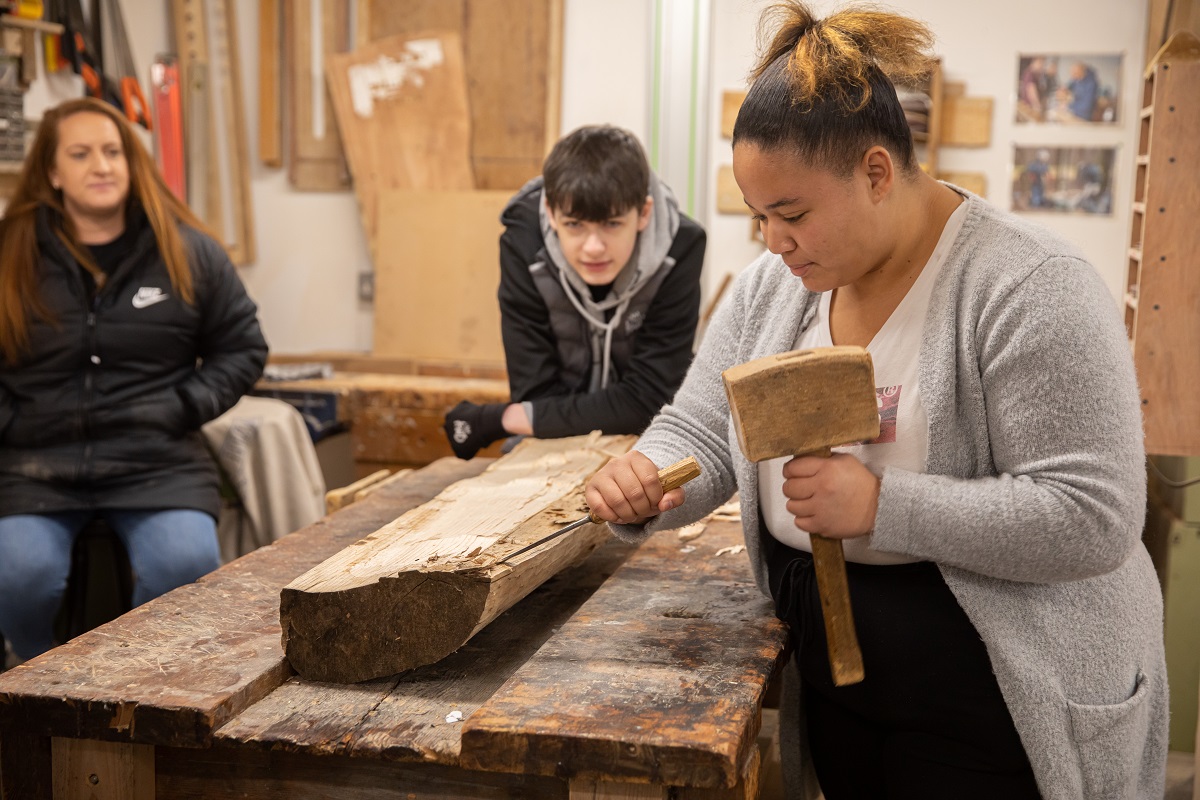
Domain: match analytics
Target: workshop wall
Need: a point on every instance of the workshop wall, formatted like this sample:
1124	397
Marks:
311	246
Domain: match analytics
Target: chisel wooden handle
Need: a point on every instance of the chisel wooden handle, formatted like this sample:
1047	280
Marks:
845	658
671	477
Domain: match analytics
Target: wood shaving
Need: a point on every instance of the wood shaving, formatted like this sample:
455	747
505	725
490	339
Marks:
690	532
730	551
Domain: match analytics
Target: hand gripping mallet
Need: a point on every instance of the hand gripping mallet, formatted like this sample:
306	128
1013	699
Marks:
803	403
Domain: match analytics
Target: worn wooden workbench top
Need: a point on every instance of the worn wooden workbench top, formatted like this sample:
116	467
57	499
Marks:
637	665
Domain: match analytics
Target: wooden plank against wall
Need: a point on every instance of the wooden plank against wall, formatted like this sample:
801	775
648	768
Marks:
401	106
437	266
315	159
513	56
270	134
206	40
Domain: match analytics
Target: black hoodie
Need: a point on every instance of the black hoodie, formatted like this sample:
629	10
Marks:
543	344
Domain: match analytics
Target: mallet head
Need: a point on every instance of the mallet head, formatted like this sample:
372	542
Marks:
803	401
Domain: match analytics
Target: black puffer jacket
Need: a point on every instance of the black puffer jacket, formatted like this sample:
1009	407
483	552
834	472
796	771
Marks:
105	409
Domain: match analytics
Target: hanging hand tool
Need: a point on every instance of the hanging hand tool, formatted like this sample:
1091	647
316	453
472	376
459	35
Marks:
78	48
671	477
132	100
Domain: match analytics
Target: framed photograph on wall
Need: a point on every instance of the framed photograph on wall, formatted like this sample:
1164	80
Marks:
1068	89
1065	180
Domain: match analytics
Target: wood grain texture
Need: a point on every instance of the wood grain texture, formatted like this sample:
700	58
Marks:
513	57
417	589
966	121
315	159
658	678
731	103
91	770
401	107
437	266
172	671
403	718
270	132
396	419
1166	282
208	56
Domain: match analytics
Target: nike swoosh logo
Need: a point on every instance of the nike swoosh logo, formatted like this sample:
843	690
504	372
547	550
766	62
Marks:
144	299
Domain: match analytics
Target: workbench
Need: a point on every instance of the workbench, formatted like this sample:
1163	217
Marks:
395	420
637	673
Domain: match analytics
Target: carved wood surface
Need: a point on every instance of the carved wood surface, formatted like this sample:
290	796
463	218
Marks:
418	588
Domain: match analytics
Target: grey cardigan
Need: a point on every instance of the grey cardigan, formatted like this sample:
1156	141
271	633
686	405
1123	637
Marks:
1033	498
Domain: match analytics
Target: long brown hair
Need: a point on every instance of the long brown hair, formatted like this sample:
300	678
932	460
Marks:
825	88
20	302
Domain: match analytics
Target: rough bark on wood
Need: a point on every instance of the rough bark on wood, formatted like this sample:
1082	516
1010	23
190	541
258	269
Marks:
417	589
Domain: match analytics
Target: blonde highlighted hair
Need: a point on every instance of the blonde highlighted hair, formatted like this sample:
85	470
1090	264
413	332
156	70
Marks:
825	88
20	259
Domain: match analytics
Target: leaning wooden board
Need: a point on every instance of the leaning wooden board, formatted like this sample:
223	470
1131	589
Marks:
513	52
401	107
173	671
315	159
437	266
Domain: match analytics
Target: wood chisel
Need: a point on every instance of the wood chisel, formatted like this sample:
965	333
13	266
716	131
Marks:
671	477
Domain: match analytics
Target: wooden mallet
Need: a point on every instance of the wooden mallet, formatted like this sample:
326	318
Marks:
803	403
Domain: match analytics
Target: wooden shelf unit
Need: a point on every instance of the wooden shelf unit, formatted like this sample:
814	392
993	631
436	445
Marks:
1162	288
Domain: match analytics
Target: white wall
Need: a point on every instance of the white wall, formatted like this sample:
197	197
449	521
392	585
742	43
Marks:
979	45
311	245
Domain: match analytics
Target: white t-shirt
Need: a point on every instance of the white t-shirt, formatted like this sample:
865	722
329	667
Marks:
904	428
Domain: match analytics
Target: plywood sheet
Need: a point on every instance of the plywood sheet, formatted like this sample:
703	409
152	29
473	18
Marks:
401	106
513	53
437	269
731	103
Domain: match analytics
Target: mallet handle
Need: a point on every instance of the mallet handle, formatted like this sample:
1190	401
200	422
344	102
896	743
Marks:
845	657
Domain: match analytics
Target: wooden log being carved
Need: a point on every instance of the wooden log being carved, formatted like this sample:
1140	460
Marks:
417	589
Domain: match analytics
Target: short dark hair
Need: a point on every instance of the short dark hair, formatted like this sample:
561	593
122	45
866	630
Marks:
822	88
596	172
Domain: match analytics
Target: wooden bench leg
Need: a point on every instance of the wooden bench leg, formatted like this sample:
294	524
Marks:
24	766
89	770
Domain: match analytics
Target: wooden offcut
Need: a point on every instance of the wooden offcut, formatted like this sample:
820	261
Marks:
513	58
1162	301
966	121
401	107
731	104
315	158
417	589
803	403
437	265
270	134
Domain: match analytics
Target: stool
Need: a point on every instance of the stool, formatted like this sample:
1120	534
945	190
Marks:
100	584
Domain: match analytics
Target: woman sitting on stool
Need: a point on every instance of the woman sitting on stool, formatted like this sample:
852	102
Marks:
123	329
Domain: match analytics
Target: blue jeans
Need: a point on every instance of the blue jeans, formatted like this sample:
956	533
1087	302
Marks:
166	549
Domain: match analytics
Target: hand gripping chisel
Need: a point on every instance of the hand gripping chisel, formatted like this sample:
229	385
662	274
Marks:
671	477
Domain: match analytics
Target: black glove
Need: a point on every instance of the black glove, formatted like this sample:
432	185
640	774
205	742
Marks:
471	427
